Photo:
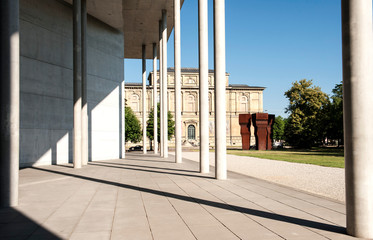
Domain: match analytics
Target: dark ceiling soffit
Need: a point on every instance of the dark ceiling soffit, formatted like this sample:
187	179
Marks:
149	43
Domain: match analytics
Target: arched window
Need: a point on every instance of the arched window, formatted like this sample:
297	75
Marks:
243	104
135	102
191	103
191	132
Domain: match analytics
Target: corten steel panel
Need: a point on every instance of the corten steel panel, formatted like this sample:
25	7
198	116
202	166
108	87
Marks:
244	120
271	121
260	121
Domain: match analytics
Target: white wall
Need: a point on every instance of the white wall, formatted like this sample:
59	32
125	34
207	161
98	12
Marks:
47	85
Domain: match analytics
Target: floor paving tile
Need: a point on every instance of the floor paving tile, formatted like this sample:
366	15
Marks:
91	235
60	226
148	197
213	232
130	233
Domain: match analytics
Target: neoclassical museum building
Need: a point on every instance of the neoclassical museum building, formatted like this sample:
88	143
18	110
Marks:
240	98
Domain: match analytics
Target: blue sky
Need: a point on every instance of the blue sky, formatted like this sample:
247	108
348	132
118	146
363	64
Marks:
269	43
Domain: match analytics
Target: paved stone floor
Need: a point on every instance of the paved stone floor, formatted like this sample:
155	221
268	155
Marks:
146	197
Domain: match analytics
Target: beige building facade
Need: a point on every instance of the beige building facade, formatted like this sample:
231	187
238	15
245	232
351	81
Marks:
240	98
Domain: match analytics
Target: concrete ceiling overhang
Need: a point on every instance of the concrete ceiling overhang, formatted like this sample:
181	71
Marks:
141	18
107	11
137	19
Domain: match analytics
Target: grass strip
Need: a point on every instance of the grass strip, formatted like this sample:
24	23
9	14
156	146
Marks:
327	157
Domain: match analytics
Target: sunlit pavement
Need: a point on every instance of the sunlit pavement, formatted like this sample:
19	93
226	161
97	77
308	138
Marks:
148	197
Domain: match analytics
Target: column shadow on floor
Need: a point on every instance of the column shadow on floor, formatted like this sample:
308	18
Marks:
142	166
140	157
253	212
150	171
15	225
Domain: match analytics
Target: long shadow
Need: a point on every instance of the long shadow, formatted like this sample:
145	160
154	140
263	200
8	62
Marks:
253	212
133	165
140	154
151	171
15	225
142	160
65	166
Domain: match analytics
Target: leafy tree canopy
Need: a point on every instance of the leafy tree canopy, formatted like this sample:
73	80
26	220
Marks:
150	125
306	104
278	128
133	132
334	120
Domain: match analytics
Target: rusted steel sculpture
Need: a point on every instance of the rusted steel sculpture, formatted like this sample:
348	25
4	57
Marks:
262	123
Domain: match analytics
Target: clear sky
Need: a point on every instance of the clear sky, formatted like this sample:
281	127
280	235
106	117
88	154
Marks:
269	43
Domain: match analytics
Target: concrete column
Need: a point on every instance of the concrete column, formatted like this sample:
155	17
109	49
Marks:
9	103
220	107
177	58
203	87
161	85
77	72
123	119
84	85
165	84
155	98
144	99
357	45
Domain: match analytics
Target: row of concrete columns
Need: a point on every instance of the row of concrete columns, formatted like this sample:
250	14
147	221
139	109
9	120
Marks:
162	89
10	96
80	130
220	135
357	58
219	86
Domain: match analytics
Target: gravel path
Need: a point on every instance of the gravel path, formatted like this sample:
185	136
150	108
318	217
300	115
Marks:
325	181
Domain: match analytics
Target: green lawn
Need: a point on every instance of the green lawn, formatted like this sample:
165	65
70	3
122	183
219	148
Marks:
327	157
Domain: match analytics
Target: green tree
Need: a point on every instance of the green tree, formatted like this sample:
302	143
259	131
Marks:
133	131
278	128
306	108
334	119
150	125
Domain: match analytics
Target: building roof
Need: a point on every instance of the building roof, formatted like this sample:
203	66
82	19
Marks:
231	86
184	70
188	70
243	86
196	70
